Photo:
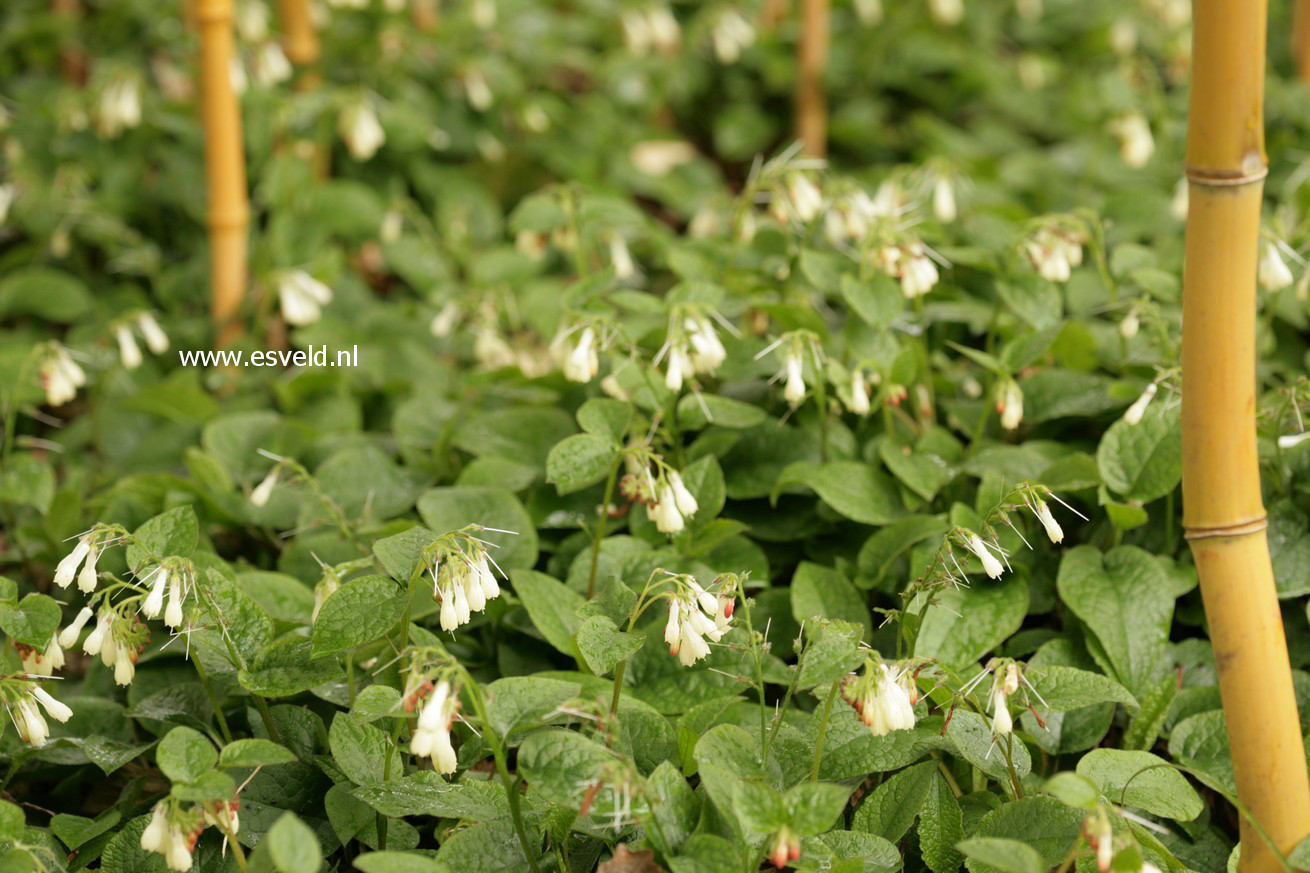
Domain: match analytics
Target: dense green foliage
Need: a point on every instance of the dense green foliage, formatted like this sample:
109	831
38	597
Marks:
691	505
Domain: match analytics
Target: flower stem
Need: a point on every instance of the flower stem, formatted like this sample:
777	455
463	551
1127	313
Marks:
601	522
213	701
502	767
823	729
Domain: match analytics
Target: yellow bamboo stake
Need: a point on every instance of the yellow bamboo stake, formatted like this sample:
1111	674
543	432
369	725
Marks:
1223	514
225	169
1301	39
810	99
300	40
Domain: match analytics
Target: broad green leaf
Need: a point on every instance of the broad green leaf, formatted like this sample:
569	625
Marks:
170	533
1002	855
44	292
1066	688
1200	742
375	702
758	806
857	491
674	805
876	300
603	645
520	700
966	623
285	667
361	611
822	592
831	651
1148	721
1143	461
424	792
13	822
605	417
813	807
579	461
891	809
560	765
292	846
696	411
361	750
397	862
32	621
1073	790
27	481
184	754
74	830
1141	780
941	827
400	554
552	606
254	753
1124	599
489	847
1044	823
447	509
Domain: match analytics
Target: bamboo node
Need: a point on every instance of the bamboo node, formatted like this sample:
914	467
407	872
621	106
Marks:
1251	173
1236	529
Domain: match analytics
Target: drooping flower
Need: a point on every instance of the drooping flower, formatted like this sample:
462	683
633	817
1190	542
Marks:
1002	722
31	725
731	35
678	366
707	351
859	399
128	351
173	615
794	388
1130	324
621	258
664	512
156	339
360	129
697	614
582	363
943	200
1009	404
302	297
154	602
173	834
68	636
1273	272
270	65
1136	144
1043	512
88	578
1291	440
119	107
260	494
1138	409
947	12
56	709
661	157
60	376
804	197
431	737
682	498
991	566
665	32
917	270
67	567
786	847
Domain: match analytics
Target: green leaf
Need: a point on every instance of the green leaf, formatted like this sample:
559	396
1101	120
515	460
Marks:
696	411
519	700
1002	855
1143	461
673	805
604	417
254	753
74	830
941	827
857	491
174	532
400	554
966	623
12	821
292	846
1141	780
1044	823
876	300
603	645
922	472
972	736
759	807
32	621
1066	688
1148	721
579	461
124	854
284	668
375	702
360	611
822	592
1200	743
244	622
813	807
890	810
552	606
831	651
397	862
1123	597
284	598
1073	790
489	847
27	481
208	787
44	292
447	509
361	750
424	792
184	754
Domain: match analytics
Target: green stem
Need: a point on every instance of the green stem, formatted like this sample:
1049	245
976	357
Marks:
267	717
237	851
213	701
502	767
823	729
601	523
618	685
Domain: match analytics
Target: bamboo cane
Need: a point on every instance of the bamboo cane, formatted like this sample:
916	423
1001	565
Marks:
1223	514
1301	39
300	40
811	101
225	169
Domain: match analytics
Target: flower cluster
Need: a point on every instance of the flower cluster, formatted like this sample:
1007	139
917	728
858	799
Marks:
653	27
696	614
912	264
60	375
128	351
1054	251
301	297
577	351
669	503
882	697
24	700
173	832
786	847
462	578
693	345
119	639
431	737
